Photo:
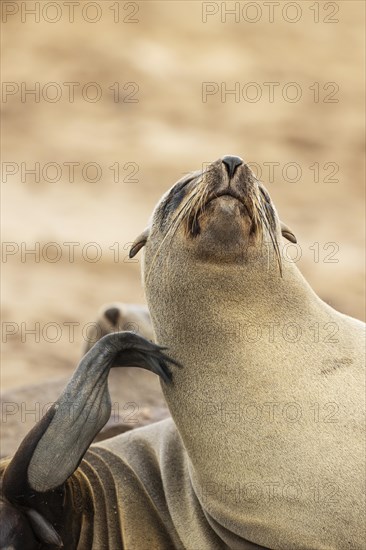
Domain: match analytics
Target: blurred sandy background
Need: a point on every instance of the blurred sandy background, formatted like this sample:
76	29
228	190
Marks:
167	53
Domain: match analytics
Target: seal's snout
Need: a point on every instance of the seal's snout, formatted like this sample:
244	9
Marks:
231	163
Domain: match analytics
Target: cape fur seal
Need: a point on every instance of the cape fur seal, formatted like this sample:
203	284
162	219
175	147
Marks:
266	448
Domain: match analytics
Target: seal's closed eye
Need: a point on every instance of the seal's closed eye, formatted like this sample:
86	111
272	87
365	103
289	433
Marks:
175	196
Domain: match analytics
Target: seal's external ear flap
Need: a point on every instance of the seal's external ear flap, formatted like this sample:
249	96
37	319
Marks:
287	233
139	242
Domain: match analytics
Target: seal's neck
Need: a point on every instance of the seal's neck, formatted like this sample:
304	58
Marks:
216	294
209	310
242	337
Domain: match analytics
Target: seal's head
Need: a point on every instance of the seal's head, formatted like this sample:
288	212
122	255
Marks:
221	215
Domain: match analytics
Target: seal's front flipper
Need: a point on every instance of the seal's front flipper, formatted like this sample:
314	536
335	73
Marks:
54	448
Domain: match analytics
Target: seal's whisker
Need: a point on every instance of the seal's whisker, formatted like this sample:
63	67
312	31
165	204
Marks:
254	207
197	208
173	228
191	207
270	226
187	209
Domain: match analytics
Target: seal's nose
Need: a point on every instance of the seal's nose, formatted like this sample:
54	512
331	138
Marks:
231	164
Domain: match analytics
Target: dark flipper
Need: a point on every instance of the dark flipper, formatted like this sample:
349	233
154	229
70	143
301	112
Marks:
53	449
